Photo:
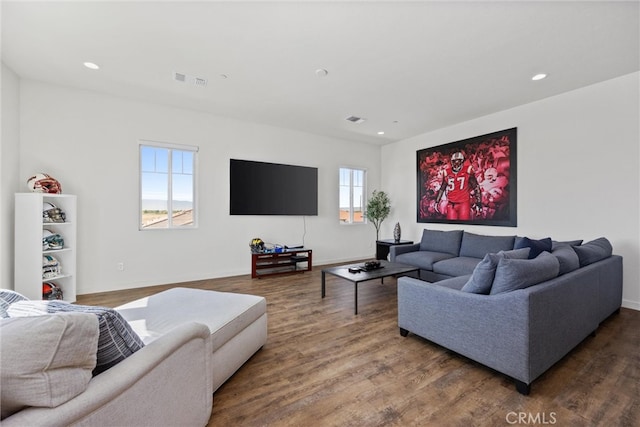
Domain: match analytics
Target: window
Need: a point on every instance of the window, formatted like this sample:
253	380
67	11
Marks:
352	202
167	184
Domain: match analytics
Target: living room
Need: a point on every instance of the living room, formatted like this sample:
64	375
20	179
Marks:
578	173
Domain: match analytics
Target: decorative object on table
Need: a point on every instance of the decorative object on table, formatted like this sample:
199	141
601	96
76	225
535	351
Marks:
378	208
44	183
372	265
257	245
471	181
51	291
397	232
52	213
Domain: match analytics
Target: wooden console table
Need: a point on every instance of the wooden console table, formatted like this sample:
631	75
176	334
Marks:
285	262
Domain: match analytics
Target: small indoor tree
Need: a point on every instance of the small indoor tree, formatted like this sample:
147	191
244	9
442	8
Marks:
378	208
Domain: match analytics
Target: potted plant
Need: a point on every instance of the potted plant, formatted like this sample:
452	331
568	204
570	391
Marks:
378	208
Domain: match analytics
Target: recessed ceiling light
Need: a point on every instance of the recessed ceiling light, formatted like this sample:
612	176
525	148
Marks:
538	77
91	66
321	72
381	133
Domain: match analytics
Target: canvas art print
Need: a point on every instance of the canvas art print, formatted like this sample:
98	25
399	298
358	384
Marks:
472	181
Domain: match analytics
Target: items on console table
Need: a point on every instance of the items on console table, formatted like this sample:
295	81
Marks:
286	261
383	246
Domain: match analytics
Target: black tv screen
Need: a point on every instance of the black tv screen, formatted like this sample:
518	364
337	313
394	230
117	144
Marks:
259	188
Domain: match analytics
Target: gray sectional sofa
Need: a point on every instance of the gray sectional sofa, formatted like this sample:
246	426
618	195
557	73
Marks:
514	304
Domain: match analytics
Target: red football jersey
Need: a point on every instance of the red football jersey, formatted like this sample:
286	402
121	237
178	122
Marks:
458	188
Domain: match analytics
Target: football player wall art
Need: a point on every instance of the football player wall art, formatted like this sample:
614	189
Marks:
472	181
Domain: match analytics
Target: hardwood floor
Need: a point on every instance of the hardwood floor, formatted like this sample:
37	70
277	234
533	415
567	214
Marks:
324	366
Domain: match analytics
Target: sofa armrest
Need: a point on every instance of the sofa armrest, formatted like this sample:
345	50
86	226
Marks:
165	383
402	249
492	330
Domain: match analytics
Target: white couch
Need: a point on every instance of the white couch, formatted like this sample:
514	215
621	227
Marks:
185	331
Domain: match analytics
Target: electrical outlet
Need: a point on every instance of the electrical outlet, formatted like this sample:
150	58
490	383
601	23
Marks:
121	266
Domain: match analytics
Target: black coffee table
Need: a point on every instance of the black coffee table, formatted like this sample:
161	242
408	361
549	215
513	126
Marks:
387	269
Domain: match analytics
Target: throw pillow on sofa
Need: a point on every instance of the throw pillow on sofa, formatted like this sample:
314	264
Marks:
567	257
482	277
593	251
441	241
537	246
512	274
46	360
117	340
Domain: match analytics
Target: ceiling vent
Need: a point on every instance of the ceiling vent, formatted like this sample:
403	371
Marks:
354	119
185	78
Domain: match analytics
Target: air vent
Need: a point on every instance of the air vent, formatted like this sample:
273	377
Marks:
200	82
354	119
186	78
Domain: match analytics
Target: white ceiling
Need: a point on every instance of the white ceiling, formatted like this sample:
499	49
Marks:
407	67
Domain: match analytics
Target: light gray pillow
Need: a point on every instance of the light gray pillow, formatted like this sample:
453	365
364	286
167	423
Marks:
482	277
477	245
441	241
512	274
46	360
567	257
593	251
117	339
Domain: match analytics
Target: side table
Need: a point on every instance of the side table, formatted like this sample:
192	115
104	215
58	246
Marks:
383	246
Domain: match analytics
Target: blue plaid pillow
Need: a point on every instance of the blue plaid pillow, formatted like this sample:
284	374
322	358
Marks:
8	297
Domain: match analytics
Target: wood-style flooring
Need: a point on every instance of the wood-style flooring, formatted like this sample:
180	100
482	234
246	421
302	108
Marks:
324	366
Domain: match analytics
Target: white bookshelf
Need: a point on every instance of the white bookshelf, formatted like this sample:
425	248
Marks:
29	226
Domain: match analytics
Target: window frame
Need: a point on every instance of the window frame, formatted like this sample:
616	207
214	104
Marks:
350	219
171	148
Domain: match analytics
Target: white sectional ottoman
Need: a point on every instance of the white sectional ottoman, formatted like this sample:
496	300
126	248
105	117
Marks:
238	323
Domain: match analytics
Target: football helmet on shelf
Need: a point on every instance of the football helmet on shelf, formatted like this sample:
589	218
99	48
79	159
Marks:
257	245
51	291
50	267
44	183
52	213
51	240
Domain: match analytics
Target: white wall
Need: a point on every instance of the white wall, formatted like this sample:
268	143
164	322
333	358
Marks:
578	170
89	142
9	146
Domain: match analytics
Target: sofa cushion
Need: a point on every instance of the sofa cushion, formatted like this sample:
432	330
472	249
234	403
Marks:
477	246
567	257
117	340
46	360
482	277
593	251
225	313
7	297
422	259
453	282
457	266
441	241
555	243
512	274
536	246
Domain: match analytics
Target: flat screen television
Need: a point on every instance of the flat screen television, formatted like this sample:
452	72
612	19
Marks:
259	188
